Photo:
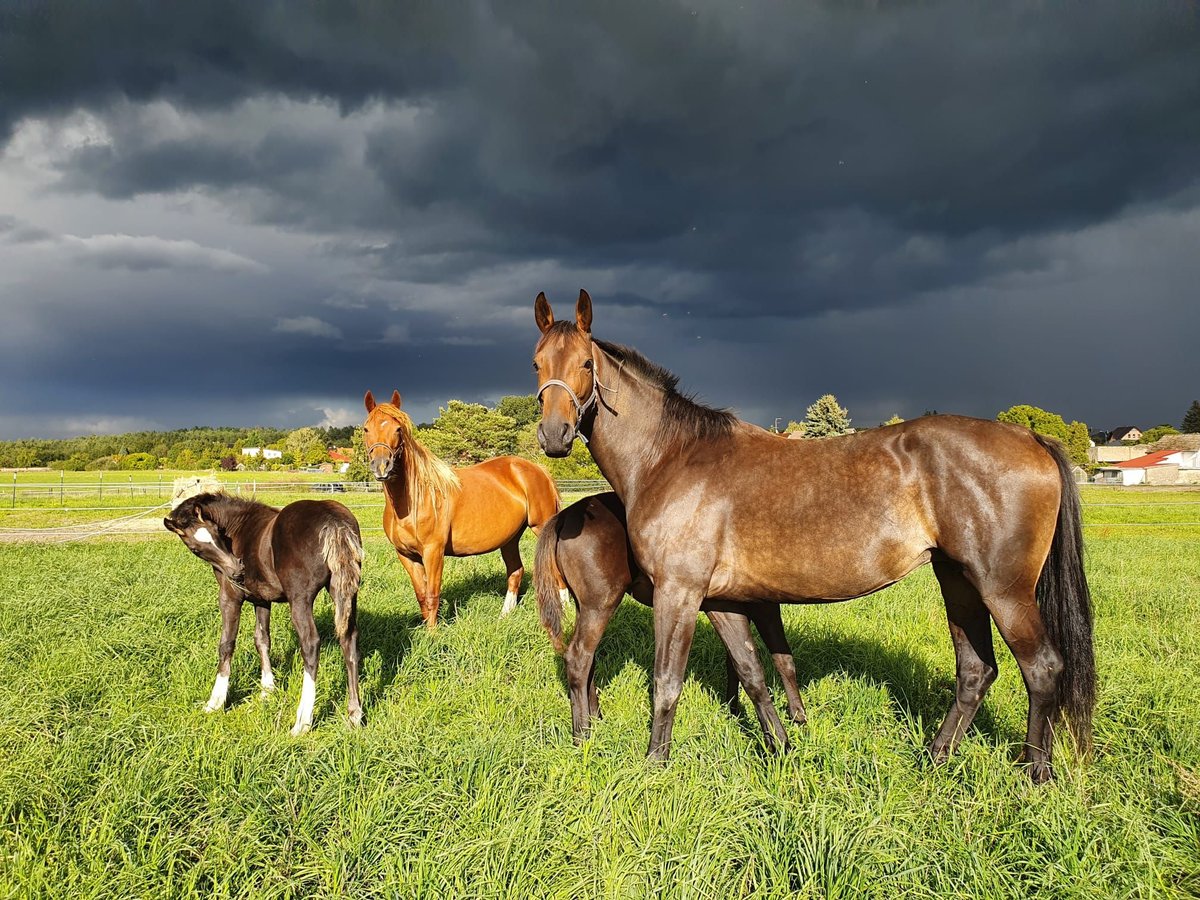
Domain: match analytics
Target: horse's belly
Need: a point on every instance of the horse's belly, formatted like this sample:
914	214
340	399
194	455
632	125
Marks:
807	579
477	529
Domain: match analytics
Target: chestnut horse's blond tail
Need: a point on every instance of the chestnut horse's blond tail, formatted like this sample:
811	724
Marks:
548	582
341	546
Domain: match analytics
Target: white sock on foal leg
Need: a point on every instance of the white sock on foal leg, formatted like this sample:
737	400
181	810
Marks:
268	682
304	712
510	603
216	700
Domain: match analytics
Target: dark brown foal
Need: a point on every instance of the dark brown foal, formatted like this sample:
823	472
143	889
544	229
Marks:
266	555
586	546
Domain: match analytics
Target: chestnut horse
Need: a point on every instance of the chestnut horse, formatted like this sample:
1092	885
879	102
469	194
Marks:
267	555
717	507
586	547
432	510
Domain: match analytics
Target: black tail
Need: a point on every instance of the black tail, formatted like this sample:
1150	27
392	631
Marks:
1066	605
341	546
548	581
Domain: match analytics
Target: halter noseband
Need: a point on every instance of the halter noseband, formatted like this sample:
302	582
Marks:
581	409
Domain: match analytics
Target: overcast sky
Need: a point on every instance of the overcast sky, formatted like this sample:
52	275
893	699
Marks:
249	213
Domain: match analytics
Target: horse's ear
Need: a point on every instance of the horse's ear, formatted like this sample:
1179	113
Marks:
170	525
199	511
369	401
583	312
542	313
396	399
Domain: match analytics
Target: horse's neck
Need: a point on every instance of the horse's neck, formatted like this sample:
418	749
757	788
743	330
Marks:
624	434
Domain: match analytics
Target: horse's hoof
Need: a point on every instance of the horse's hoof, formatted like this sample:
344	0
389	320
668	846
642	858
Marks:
209	708
1041	772
356	719
300	729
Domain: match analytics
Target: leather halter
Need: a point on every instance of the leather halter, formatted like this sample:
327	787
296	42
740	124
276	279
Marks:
581	409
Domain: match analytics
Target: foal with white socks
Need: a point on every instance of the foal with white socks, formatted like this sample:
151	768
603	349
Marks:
267	555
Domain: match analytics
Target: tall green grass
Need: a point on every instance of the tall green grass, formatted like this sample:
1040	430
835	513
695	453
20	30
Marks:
466	783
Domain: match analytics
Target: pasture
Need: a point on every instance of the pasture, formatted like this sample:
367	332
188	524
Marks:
466	783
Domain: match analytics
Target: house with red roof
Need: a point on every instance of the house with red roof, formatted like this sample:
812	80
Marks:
1156	467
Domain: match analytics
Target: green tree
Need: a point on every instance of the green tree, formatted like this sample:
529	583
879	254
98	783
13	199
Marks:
894	420
359	469
1074	436
1191	419
466	433
1150	435
1078	443
139	461
793	426
1036	419
826	419
521	408
306	446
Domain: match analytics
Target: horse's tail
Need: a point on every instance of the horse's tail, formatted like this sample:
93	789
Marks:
548	580
341	546
1066	605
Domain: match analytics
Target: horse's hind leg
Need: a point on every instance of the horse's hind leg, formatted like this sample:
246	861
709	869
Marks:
262	640
349	642
971	631
734	631
580	658
310	647
768	619
511	554
1019	622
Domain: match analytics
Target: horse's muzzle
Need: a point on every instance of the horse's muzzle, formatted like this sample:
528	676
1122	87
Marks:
556	438
382	468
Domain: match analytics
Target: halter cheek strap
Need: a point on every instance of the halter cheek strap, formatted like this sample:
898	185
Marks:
581	409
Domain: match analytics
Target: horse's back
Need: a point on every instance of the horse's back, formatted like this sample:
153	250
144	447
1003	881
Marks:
839	517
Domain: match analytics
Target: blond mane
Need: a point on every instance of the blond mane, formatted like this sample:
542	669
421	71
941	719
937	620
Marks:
422	470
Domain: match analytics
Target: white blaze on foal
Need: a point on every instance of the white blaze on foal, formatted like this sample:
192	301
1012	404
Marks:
203	535
304	712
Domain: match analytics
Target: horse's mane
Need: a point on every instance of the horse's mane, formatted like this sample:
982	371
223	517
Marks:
683	418
230	512
423	470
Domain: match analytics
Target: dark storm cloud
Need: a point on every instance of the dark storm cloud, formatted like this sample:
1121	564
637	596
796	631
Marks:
725	177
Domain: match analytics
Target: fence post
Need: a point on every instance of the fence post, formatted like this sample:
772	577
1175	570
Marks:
131	487
101	484
14	490
62	480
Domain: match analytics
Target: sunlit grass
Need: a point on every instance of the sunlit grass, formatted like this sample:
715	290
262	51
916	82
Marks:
465	781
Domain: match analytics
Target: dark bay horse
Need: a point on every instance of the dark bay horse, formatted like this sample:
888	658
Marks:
586	546
266	555
432	511
717	507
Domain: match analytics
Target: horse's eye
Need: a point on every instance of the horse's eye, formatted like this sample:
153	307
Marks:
587	364
535	367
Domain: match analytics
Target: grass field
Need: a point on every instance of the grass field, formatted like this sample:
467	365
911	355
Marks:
466	783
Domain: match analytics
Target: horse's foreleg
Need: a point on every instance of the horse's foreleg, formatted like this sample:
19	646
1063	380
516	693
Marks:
515	569
231	611
734	631
768	619
433	558
262	640
675	608
310	647
416	574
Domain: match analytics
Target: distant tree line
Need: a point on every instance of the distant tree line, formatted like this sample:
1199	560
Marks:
462	434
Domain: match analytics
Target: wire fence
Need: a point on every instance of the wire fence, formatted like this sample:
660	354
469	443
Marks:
43	495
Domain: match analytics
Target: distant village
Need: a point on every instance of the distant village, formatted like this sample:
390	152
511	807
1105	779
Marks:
1119	459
